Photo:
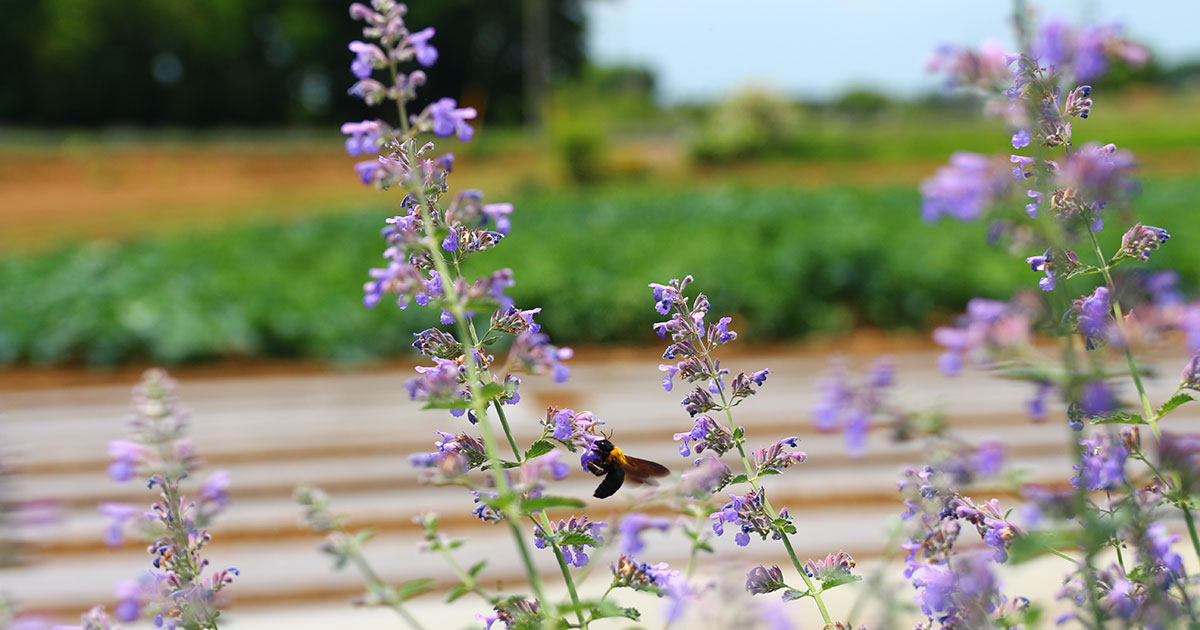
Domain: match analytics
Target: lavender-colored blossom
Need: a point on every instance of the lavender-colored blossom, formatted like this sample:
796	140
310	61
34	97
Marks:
990	522
426	54
708	475
1097	174
575	555
1140	240
986	68
439	382
832	568
706	434
364	137
1093	316
963	189
1158	549
1031	208
988	331
534	353
749	515
1045	264
448	119
774	457
1079	102
367	58
1102	465
1037	404
1097	399
119	514
1021	139
631	529
761	580
126	457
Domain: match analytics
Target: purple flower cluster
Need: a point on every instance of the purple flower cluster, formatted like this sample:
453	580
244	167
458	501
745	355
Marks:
707	476
965	188
455	455
576	431
774	457
706	434
1086	52
833	568
160	452
1140	240
692	342
991	523
1102	464
989	331
850	405
749	515
761	580
576	528
1092	318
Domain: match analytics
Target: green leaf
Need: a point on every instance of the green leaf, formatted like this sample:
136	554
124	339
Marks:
1029	546
1082	271
491	391
456	592
1173	402
739	433
476	568
768	471
447	403
740	478
541	503
602	609
844	578
1119	417
577	538
413	588
793	594
540	447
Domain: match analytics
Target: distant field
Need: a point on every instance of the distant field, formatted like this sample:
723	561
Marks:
786	261
62	186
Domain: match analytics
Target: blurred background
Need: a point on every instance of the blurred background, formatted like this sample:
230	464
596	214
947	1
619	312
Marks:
173	191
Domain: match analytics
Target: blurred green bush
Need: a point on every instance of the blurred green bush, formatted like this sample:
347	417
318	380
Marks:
786	262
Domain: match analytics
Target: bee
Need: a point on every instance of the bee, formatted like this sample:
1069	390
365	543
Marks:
615	466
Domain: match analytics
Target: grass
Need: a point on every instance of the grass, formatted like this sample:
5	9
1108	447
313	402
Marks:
785	261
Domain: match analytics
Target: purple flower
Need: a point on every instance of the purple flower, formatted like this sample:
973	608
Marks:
214	494
748	513
426	54
131	598
709	475
963	189
126	457
1044	263
1031	208
364	139
1093	320
437	382
535	354
631	529
1159	549
1140	240
1102	464
368	57
668	380
448	119
1097	399
498	213
1079	102
1021	139
575	555
708	434
761	580
1022	169
119	514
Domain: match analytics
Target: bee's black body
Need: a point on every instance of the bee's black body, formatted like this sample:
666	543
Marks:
613	464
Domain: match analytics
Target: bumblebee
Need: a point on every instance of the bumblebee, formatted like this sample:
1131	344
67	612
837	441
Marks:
615	466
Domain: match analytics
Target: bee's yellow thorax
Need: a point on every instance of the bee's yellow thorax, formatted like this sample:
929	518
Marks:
617	456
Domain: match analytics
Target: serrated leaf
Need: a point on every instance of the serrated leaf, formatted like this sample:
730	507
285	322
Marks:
1082	271
503	464
411	589
740	478
1119	417
1173	402
540	447
577	539
844	578
768	471
739	433
476	568
541	503
793	594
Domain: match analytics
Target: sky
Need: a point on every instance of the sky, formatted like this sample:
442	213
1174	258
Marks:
702	49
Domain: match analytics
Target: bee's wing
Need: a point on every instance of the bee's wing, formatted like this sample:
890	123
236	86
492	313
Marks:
643	469
612	482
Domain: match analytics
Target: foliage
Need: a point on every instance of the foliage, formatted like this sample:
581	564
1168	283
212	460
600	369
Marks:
815	261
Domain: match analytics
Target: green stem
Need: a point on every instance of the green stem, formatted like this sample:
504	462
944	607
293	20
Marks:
752	477
507	431
1191	524
691	565
542	522
466	578
508	500
1147	409
377	585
